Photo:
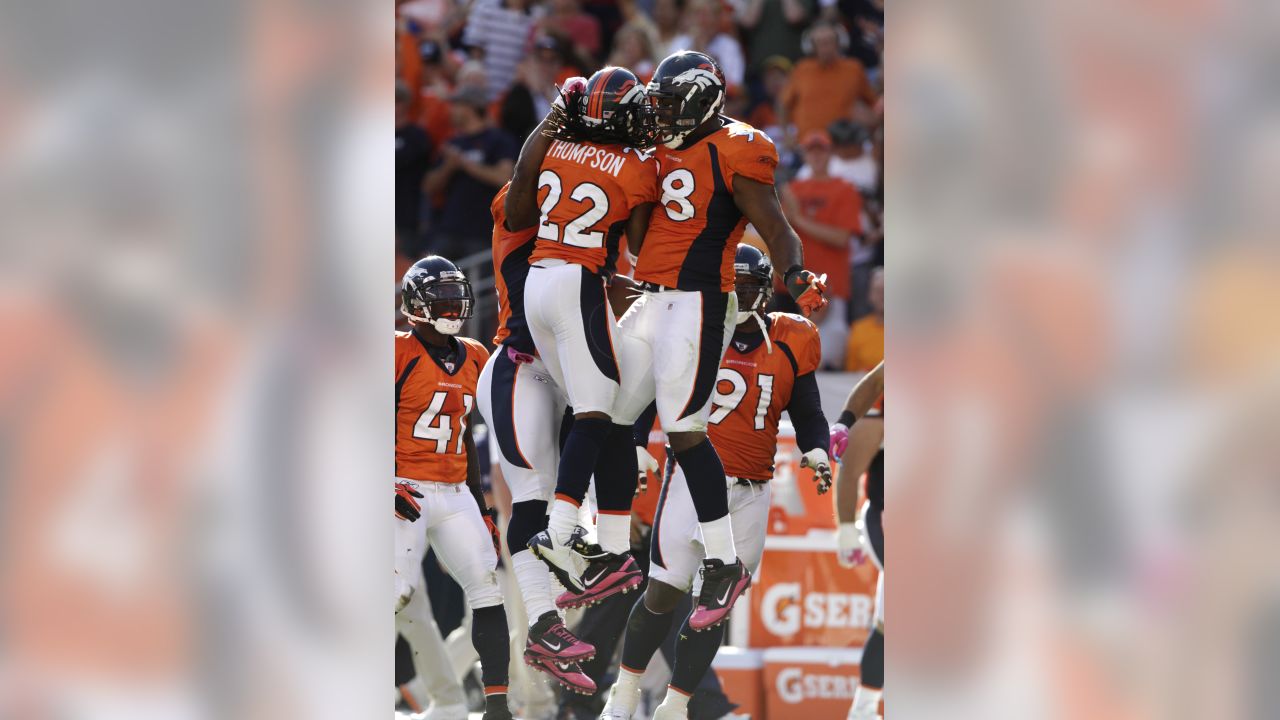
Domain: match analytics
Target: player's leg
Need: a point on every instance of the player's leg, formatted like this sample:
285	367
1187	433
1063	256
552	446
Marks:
574	307
462	543
749	516
675	557
524	408
866	699
697	329
434	672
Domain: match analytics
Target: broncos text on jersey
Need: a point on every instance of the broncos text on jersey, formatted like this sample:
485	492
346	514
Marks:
433	407
694	231
753	387
586	192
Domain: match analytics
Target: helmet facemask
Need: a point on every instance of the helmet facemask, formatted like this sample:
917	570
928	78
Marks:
629	122
753	296
682	104
444	304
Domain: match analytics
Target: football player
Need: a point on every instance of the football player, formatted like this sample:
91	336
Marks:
523	407
858	438
715	175
768	367
437	471
592	183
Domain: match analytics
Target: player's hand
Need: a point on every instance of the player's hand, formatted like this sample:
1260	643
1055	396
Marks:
407	507
647	465
839	441
569	93
851	544
806	289
817	459
491	522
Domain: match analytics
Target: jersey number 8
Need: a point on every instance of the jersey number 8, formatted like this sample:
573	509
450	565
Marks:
574	231
676	189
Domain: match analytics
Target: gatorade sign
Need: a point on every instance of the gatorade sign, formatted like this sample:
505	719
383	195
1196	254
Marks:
802	597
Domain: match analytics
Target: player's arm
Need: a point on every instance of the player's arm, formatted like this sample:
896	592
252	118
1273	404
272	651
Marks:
805	410
637	226
522	197
473	470
759	203
477	492
864	395
864	442
869	389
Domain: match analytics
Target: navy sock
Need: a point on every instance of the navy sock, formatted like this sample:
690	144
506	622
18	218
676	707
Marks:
617	470
872	663
490	637
645	632
528	518
694	653
578	459
705	477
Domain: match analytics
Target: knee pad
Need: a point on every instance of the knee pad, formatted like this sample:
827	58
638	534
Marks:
527	519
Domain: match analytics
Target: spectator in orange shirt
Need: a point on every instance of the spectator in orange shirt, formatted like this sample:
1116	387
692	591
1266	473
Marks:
866	336
827	86
826	212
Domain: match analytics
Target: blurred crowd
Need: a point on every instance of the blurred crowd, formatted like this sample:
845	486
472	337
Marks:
473	77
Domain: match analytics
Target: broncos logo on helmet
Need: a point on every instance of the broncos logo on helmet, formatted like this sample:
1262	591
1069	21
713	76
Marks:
687	89
436	293
613	110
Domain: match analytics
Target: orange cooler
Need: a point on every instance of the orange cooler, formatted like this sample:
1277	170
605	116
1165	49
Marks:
741	674
809	683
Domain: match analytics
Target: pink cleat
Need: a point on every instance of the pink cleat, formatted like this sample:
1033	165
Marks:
550	640
721	586
568	674
606	575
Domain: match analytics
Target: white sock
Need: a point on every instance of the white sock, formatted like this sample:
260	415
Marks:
676	700
626	691
586	523
866	704
717	539
615	532
563	519
535	584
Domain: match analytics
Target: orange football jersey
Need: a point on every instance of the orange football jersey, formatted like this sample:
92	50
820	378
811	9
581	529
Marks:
694	231
511	251
586	193
433	406
753	387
